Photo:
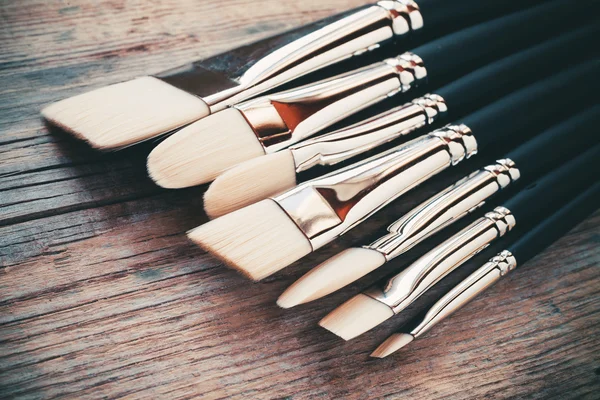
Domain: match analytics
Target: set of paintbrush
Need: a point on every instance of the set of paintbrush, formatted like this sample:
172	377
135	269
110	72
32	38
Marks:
257	118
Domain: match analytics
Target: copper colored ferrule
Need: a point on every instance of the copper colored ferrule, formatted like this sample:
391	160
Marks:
327	207
282	119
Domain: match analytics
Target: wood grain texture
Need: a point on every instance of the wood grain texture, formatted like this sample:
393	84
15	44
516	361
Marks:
102	296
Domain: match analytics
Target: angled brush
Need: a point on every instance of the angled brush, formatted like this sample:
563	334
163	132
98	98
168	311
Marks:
523	211
524	164
516	253
263	177
265	237
126	113
206	148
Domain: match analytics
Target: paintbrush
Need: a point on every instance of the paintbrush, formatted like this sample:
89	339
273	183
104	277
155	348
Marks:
263	177
517	252
206	148
126	113
525	163
265	237
526	209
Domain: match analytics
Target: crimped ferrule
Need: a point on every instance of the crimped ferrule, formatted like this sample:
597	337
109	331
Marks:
443	209
326	207
340	145
401	290
282	119
405	15
489	273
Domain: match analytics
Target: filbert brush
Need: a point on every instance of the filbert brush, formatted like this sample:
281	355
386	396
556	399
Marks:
267	124
265	237
516	253
262	177
524	210
523	164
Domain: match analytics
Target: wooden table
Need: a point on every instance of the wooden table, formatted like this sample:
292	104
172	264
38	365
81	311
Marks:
101	295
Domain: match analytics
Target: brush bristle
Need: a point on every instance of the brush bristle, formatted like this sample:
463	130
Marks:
250	182
201	151
257	240
335	273
126	113
392	345
356	316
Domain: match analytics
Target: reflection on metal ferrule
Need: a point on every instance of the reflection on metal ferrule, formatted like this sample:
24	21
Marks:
445	208
467	290
401	290
340	145
326	207
282	119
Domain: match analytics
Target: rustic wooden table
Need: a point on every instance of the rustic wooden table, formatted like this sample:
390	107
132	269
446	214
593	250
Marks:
101	295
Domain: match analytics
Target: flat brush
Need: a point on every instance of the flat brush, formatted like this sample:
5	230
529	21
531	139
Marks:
199	152
126	113
265	237
526	209
516	253
263	177
526	163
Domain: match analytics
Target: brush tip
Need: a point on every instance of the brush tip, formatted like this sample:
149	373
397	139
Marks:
392	344
333	274
249	182
125	113
257	240
199	152
356	316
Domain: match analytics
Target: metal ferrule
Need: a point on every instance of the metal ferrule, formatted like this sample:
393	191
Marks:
338	146
401	290
467	290
362	31
326	207
443	209
285	118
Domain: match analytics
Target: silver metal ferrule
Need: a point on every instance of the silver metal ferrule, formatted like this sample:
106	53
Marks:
327	207
467	290
445	208
345	143
362	31
282	119
401	290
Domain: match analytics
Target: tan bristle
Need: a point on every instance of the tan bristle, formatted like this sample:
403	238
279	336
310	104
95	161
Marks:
250	182
201	151
392	344
356	316
126	113
257	240
335	273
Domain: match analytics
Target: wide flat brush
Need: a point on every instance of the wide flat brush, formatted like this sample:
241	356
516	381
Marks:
523	211
199	152
265	237
516	253
126	113
523	164
263	177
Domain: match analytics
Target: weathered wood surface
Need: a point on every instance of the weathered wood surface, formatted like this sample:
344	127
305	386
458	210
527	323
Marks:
101	295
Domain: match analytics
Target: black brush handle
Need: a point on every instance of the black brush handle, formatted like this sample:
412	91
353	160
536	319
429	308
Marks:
547	194
475	46
558	143
555	226
511	73
515	115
